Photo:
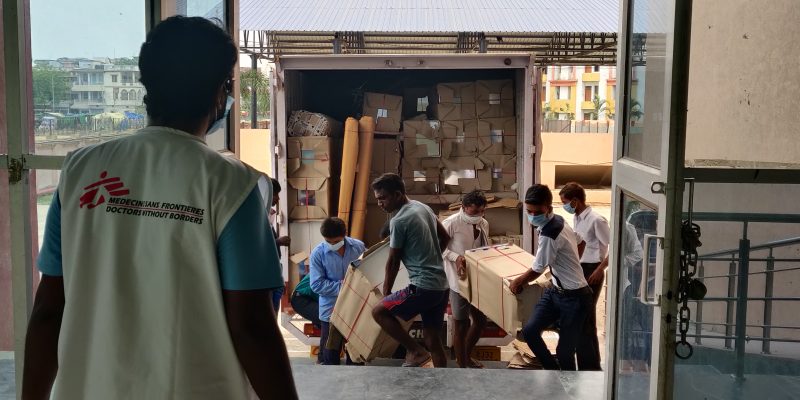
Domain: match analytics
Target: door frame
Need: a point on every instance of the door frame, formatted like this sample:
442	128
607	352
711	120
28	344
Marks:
634	178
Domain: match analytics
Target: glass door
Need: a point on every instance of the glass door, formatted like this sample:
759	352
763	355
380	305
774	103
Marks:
647	193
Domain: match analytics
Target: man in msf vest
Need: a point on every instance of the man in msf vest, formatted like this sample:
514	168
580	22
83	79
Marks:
417	239
569	301
156	264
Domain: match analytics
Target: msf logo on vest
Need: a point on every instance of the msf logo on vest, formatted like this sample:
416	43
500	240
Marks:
105	186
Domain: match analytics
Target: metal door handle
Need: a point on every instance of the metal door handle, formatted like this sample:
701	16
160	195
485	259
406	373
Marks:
643	285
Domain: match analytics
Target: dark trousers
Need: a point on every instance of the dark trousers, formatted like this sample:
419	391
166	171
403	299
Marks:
589	348
329	355
569	309
307	307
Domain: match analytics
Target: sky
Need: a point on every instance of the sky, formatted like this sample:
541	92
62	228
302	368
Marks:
93	28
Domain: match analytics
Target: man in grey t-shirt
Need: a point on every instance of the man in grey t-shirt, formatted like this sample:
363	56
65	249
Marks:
417	239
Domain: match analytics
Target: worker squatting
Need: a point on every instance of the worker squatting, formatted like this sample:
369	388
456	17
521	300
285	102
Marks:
155	209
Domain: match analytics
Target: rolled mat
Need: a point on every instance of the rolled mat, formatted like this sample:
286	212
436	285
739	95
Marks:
366	132
349	160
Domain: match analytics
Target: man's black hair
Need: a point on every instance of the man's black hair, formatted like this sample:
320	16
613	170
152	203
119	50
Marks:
390	183
573	190
474	198
539	195
333	227
183	63
276	186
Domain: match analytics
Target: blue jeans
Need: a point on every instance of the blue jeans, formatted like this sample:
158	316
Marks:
569	309
277	293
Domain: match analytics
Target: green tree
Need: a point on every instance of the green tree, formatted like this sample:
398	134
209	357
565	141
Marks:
567	110
126	61
599	106
254	78
548	111
50	85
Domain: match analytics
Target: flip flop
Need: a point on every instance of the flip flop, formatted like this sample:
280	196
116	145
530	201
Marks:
407	364
475	364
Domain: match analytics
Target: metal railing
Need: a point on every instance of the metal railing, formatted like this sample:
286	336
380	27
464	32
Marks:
739	261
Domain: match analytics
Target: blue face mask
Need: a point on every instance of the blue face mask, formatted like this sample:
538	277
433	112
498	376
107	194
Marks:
538	220
218	123
569	208
336	246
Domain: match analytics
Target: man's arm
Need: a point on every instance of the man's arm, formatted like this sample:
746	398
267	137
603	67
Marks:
258	343
392	267
519	283
449	254
444	237
41	342
319	281
581	248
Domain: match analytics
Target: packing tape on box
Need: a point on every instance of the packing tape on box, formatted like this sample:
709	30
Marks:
352	328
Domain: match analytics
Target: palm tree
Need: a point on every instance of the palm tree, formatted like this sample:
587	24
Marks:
254	78
599	106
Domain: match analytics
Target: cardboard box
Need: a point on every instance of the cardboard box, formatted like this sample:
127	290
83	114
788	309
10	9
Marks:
490	270
308	157
504	108
455	92
494	91
505	217
309	198
421	147
497	126
504	171
497	145
459	129
428	129
305	123
465	174
422	175
305	236
386	109
494	98
463	147
297	263
454	111
417	101
360	292
376	219
385	157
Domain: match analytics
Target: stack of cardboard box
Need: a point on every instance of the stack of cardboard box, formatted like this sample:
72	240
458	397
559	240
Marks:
422	154
385	158
312	176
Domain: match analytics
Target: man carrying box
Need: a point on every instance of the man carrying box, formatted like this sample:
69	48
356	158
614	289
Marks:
417	239
328	266
570	300
469	230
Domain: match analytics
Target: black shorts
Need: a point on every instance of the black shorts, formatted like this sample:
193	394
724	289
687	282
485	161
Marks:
411	301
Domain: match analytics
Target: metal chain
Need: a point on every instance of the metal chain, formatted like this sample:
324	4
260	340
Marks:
690	240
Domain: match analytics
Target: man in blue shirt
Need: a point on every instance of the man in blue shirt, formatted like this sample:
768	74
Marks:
417	239
328	266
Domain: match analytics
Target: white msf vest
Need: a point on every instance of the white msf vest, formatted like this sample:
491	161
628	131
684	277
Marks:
144	316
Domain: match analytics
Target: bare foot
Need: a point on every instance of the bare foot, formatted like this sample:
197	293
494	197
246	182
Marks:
417	359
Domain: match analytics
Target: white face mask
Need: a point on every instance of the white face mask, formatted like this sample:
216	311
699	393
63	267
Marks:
469	219
336	246
221	120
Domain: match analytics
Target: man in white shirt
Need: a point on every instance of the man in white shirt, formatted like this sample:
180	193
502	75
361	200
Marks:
468	230
594	235
569	301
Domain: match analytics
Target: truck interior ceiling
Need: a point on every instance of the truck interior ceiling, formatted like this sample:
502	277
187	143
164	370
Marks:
339	93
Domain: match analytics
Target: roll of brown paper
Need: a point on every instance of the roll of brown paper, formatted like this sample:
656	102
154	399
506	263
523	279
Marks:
366	132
